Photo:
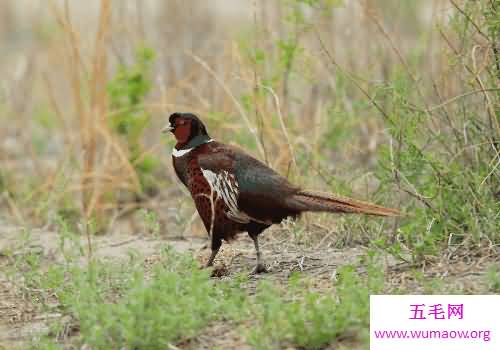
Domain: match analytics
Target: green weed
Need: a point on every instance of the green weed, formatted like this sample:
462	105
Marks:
151	221
493	279
127	304
120	304
309	319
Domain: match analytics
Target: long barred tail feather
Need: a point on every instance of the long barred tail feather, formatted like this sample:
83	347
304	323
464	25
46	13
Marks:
328	202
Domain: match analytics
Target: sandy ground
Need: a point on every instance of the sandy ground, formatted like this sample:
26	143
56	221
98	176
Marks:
19	320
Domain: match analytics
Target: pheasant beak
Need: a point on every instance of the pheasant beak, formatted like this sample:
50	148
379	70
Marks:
167	129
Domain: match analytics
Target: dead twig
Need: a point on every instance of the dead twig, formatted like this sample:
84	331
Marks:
351	77
238	105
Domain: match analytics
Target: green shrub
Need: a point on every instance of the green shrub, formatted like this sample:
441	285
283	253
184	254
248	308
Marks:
127	91
443	159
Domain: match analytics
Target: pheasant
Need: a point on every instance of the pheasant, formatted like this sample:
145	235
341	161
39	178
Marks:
234	192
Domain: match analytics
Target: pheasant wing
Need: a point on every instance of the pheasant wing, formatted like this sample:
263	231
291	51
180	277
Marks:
250	189
218	171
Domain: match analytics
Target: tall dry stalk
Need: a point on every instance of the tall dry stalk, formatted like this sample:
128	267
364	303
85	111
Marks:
105	162
75	60
98	101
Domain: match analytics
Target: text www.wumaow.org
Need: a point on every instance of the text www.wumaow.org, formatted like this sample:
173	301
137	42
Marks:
480	335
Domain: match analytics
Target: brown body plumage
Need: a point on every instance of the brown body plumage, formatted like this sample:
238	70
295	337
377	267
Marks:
234	192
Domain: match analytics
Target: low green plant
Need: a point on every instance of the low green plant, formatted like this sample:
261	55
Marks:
123	303
69	244
149	315
433	285
151	221
120	304
26	261
312	320
493	279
